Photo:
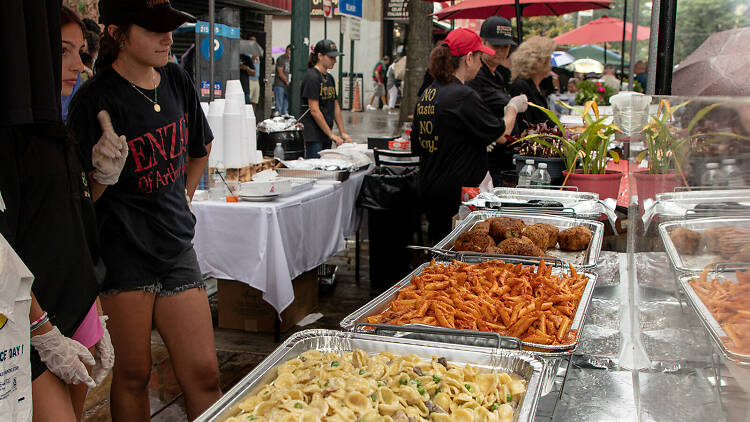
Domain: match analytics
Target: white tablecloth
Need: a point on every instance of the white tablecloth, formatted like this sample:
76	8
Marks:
267	244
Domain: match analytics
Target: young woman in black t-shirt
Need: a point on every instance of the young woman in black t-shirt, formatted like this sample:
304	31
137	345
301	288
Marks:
452	128
319	96
145	224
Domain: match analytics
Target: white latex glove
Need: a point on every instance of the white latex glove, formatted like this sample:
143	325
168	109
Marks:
64	357
491	147
519	102
104	354
110	153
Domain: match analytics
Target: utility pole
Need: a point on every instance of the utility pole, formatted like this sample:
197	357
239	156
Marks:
300	52
418	48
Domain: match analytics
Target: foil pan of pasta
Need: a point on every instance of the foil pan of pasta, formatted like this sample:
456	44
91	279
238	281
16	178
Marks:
695	245
543	306
573	240
721	298
325	375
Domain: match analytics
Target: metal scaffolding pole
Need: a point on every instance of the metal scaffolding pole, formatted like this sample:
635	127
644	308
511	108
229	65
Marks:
300	52
211	41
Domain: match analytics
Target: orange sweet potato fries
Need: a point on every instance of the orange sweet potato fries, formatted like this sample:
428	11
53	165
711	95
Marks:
525	302
729	303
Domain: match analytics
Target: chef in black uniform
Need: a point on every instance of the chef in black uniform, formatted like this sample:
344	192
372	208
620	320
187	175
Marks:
492	83
452	128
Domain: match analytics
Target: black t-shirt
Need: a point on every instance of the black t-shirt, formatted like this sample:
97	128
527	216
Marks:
451	130
144	219
321	87
493	88
244	77
49	221
531	115
31	43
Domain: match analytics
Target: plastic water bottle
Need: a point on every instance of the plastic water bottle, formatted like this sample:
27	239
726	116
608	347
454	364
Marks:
730	173
712	175
524	176
541	176
218	189
278	152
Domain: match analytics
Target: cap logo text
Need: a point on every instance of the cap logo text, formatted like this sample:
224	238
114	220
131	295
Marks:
505	30
154	3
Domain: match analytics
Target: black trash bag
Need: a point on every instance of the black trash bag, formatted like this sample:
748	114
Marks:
390	196
388	188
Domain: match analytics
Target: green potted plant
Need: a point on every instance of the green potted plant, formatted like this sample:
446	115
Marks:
587	149
669	147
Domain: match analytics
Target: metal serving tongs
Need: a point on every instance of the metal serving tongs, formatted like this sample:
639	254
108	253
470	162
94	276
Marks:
477	257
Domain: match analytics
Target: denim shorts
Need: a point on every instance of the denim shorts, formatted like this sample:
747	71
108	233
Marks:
184	275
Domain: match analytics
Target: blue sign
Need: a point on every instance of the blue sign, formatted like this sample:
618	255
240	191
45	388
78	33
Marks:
220	29
218	48
351	7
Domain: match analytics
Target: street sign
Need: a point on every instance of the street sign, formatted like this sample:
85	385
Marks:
354	26
351	7
328	8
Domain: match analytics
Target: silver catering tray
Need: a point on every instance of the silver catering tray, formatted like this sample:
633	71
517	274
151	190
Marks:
696	263
357	320
707	319
520	363
584	260
568	198
681	205
339	175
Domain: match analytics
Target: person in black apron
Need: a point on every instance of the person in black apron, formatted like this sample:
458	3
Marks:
320	102
492	83
452	128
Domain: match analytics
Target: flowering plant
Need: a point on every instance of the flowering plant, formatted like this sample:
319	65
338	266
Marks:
590	90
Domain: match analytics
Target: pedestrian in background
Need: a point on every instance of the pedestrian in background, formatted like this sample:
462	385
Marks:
378	77
281	82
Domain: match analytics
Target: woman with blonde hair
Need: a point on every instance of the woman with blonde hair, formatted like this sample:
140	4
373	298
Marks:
530	64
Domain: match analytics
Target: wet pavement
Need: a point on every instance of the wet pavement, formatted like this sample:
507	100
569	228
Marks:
239	352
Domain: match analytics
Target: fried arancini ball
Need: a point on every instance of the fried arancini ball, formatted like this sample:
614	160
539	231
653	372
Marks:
552	232
685	241
575	238
743	255
538	234
502	228
482	227
522	246
473	242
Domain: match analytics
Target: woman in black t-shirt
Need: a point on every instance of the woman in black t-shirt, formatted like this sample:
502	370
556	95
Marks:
452	128
145	224
530	65
319	96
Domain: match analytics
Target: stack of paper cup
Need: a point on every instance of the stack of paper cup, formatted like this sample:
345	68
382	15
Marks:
215	118
235	144
252	143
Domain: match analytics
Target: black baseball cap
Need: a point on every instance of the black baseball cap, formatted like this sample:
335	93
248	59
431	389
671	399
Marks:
328	48
154	15
497	31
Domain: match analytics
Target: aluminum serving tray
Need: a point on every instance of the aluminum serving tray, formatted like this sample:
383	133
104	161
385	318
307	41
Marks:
688	200
357	320
339	175
708	320
522	364
585	260
696	263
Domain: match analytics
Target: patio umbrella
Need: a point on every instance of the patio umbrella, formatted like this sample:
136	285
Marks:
561	58
587	66
718	67
604	29
251	48
482	9
591	51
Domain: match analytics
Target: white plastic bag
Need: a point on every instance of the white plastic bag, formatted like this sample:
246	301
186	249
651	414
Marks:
15	368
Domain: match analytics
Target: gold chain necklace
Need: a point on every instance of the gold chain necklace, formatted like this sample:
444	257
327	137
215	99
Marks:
155	101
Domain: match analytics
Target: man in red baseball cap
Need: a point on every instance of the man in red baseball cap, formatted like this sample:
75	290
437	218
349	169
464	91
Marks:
452	128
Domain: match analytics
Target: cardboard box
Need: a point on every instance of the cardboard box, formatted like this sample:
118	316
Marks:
242	307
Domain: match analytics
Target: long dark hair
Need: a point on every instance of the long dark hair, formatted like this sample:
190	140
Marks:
109	46
312	60
443	64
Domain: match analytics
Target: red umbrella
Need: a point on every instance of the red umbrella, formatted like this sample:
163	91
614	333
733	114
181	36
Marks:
482	9
604	29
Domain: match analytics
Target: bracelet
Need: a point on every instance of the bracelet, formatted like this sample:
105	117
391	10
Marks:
39	322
